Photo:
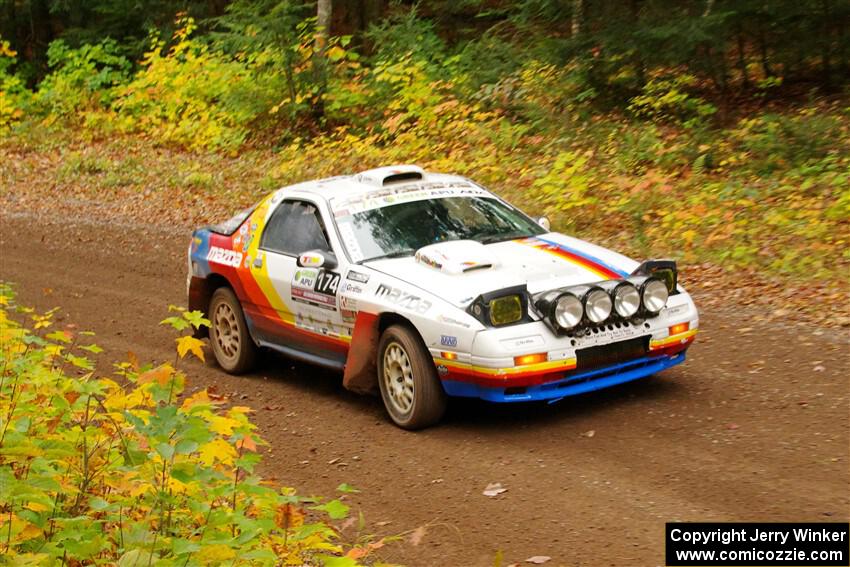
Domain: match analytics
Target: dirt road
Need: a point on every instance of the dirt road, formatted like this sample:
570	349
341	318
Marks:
753	427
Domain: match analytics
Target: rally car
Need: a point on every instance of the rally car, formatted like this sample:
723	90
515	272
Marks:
424	285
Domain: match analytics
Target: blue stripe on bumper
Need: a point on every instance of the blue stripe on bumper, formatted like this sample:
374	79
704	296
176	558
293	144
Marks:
572	385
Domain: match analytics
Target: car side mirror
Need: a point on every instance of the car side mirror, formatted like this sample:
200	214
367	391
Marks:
318	259
544	222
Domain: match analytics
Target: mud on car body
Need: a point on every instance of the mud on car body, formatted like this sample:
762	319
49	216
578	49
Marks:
425	285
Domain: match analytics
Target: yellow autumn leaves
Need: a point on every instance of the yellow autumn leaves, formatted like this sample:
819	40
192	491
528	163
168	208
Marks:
96	470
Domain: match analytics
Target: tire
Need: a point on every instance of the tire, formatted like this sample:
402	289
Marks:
412	393
232	345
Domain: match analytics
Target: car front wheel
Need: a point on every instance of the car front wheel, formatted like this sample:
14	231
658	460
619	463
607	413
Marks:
232	345
408	380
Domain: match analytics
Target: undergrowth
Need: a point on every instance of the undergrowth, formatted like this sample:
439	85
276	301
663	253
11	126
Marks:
130	470
662	176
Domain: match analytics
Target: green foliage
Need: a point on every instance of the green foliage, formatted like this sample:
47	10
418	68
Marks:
100	471
667	99
775	142
14	97
191	95
565	190
406	34
81	79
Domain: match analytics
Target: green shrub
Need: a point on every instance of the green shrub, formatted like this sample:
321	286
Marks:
14	97
668	99
775	142
96	471
194	96
81	79
405	33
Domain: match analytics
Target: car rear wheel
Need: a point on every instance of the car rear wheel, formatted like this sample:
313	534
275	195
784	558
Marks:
232	345
410	388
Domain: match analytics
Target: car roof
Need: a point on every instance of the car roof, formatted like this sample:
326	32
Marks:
379	180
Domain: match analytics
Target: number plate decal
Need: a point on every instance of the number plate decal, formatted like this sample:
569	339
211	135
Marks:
315	287
327	283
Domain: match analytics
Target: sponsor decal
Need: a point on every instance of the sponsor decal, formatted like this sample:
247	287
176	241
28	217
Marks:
224	257
357	277
348	303
403	299
448	340
442	370
311	260
315	287
305	278
428	261
320	325
676	310
313	298
352	288
349	239
519	343
405	194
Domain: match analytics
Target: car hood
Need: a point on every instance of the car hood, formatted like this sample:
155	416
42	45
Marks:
459	271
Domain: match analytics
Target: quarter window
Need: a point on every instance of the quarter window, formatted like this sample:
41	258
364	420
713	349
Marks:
294	228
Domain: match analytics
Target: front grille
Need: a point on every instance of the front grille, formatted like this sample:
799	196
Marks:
603	355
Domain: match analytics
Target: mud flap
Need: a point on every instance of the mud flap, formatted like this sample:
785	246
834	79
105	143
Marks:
361	371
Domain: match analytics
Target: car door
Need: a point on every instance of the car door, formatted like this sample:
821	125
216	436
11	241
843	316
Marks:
304	297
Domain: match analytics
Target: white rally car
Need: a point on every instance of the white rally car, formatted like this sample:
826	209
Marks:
427	285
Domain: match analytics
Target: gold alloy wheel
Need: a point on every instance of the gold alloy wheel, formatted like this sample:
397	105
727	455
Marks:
398	378
227	330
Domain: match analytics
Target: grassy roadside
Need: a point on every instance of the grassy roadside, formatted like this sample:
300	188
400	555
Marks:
775	240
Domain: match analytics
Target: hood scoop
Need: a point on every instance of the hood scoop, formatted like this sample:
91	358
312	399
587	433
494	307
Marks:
456	257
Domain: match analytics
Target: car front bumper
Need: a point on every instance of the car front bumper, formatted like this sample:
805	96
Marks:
572	384
615	353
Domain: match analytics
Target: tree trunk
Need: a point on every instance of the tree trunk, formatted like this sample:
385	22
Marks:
742	60
577	18
765	58
323	24
320	63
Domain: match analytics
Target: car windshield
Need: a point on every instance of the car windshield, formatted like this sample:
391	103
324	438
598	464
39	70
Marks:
401	229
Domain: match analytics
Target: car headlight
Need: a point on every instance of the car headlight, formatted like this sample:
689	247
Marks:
597	305
664	270
504	310
501	307
568	311
654	295
626	300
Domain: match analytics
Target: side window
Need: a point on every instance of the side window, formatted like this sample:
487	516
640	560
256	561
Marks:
294	228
